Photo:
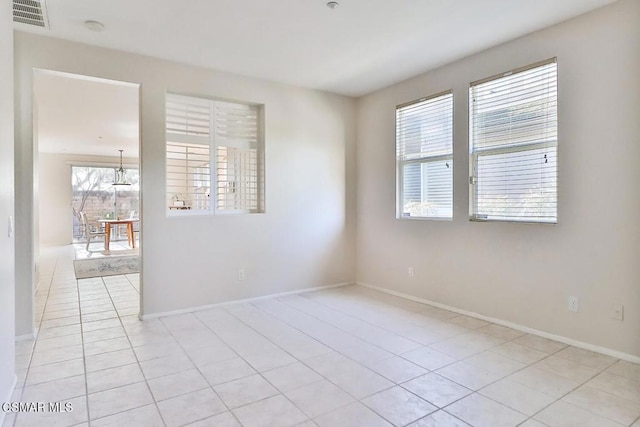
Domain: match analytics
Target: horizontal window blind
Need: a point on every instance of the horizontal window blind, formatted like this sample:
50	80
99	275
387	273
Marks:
513	146
424	150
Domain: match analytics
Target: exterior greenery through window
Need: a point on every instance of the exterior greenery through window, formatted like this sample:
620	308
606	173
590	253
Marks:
424	157
513	145
214	152
94	194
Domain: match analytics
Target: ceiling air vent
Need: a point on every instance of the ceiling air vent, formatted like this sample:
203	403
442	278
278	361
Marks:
30	12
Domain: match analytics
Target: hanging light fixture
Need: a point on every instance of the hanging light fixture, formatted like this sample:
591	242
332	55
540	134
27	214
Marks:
121	174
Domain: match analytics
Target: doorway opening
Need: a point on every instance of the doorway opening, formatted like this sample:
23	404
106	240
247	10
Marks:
87	198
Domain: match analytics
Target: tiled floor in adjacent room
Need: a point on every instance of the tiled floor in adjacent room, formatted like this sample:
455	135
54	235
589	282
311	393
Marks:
342	357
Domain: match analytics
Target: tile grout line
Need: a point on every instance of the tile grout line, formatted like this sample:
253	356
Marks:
245	319
401	355
364	366
297	360
196	367
459	360
434	342
341	311
580	384
138	363
512	373
35	339
569	403
345	330
356	361
394	384
84	358
302	362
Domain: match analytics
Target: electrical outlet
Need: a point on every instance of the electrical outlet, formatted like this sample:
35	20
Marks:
241	274
573	304
410	271
618	312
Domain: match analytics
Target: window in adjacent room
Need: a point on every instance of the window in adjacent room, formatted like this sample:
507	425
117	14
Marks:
513	145
214	156
424	157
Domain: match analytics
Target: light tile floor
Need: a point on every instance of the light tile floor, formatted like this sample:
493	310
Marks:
343	357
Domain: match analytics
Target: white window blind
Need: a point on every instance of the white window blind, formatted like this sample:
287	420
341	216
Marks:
213	152
424	157
513	145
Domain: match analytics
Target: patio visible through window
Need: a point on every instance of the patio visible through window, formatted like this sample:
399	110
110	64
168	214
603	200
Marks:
94	194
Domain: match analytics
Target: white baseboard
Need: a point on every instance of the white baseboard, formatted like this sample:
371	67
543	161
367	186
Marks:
8	398
27	337
242	301
570	341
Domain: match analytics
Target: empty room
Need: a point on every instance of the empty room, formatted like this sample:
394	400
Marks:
312	213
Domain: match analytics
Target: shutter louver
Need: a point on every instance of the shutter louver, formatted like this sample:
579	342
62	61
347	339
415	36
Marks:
237	163
213	145
188	175
424	149
188	123
188	116
513	145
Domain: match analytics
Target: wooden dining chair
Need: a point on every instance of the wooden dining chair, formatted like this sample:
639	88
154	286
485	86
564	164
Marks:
89	231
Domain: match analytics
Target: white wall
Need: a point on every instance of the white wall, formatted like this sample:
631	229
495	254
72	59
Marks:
7	278
306	237
54	195
519	272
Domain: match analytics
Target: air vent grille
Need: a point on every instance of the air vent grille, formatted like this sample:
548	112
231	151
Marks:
30	12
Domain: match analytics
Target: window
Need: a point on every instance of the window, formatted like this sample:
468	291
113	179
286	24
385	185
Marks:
513	145
214	156
424	157
93	192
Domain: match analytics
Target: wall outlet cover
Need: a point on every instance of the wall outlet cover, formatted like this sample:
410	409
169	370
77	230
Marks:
618	312
573	304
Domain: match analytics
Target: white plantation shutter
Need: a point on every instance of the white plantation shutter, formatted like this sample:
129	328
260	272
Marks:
424	154
188	175
513	145
188	116
213	145
188	131
237	163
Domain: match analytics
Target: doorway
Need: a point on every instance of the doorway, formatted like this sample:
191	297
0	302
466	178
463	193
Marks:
86	156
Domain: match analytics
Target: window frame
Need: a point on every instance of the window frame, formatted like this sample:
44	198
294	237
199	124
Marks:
400	164
522	147
213	144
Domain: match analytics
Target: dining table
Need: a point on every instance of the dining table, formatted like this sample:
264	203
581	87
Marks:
108	223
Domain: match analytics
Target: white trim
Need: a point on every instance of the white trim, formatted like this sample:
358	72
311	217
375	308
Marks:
84	77
12	388
109	165
242	301
26	337
570	341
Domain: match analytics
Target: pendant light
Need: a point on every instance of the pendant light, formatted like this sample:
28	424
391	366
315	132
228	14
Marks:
121	174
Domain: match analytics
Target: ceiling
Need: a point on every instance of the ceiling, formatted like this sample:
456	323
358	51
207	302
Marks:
361	46
82	115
